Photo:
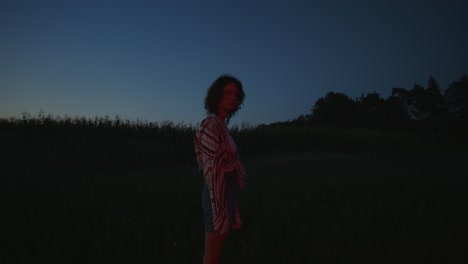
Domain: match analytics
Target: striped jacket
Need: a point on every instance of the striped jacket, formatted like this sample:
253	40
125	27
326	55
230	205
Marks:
215	158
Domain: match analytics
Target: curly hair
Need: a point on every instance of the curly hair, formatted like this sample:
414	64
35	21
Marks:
215	92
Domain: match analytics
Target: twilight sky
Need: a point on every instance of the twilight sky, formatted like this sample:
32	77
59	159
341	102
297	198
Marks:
154	60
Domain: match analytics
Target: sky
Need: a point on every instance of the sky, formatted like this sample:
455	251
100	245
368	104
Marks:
154	60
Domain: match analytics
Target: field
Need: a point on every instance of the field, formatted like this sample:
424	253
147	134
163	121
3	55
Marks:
309	207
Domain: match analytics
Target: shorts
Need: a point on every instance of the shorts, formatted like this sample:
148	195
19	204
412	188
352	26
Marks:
231	196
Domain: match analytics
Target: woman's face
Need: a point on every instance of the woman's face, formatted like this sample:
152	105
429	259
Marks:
230	98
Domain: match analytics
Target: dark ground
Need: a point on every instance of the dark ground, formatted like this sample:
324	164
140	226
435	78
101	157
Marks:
306	208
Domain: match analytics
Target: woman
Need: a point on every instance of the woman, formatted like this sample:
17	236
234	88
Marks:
218	159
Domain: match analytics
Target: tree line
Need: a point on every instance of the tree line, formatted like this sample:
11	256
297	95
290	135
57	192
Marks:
423	110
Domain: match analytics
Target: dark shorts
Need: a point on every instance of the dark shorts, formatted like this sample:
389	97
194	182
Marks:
231	196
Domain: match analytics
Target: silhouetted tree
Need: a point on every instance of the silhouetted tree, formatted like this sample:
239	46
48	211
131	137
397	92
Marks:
456	101
419	108
371	110
335	109
434	101
431	107
415	101
302	120
397	110
456	98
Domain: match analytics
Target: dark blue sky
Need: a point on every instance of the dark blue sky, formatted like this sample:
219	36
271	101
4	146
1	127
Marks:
154	60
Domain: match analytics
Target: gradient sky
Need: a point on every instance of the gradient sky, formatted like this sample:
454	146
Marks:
154	60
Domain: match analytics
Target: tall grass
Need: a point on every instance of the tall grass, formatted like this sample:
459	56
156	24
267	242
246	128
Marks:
102	190
311	139
97	138
167	143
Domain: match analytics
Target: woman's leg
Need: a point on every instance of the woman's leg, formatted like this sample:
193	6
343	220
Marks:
213	247
214	242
